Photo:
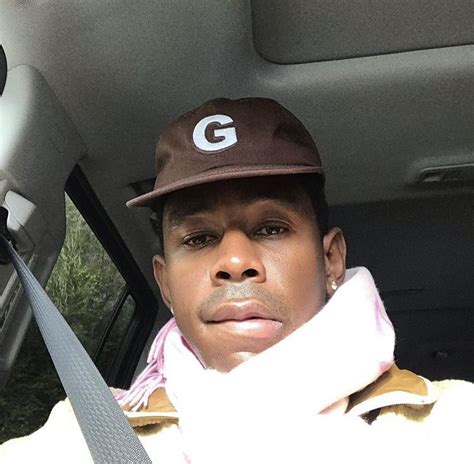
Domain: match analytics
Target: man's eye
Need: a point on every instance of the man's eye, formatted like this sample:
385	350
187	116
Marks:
271	230
199	240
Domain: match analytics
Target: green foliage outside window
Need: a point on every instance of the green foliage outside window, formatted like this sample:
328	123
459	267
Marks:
85	283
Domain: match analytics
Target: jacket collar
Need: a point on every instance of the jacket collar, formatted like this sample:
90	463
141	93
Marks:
394	387
159	409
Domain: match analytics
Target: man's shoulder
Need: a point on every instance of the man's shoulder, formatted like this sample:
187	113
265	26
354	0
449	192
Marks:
60	437
435	432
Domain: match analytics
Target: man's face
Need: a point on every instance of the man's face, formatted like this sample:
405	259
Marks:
243	266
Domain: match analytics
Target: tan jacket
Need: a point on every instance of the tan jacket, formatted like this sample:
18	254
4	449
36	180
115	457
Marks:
408	407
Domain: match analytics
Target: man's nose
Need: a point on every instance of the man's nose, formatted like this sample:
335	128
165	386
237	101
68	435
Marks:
237	260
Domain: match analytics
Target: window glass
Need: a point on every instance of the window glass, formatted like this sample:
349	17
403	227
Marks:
92	295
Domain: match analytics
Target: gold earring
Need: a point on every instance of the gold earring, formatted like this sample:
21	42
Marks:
172	310
334	285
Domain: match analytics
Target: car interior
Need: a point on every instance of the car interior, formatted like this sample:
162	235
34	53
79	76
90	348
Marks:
385	88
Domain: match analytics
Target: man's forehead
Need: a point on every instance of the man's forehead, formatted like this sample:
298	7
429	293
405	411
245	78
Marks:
193	201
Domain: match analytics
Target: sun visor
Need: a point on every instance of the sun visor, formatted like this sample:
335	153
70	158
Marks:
303	32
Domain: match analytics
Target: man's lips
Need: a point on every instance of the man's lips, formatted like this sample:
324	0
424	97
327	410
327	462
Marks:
247	318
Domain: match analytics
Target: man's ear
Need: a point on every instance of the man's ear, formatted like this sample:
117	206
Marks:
161	276
334	247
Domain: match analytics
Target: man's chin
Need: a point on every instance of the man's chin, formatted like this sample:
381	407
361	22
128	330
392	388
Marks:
231	361
227	362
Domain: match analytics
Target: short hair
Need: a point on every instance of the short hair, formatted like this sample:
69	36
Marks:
312	185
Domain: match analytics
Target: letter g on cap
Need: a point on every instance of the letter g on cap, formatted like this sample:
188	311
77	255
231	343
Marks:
228	134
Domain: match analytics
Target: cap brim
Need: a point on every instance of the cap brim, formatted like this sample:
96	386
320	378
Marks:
221	174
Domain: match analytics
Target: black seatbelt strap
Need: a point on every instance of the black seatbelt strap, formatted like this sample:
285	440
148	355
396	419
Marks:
105	428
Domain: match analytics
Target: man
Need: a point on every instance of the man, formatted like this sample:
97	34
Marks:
275	353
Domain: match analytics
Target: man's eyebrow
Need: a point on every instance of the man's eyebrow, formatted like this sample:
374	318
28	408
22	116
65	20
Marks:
177	215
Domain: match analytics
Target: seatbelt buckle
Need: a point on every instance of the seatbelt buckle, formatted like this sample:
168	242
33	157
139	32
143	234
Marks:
5	233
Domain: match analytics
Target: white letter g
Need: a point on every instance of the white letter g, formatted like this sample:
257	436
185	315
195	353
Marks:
228	133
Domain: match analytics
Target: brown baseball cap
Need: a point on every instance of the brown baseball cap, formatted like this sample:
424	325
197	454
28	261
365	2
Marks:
227	139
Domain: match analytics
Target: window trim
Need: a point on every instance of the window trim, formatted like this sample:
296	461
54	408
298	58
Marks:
84	198
118	305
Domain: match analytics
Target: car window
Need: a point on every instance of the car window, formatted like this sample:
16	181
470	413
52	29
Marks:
93	297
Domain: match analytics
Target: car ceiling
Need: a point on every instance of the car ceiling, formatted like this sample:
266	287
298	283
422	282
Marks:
386	89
